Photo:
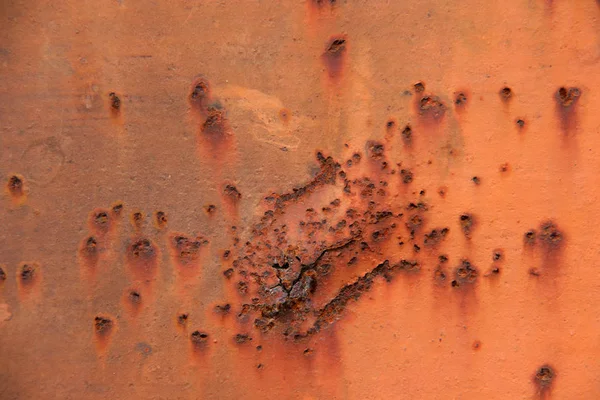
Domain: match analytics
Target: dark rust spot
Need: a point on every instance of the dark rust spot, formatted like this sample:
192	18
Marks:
232	192
117	208
334	55
101	220
506	93
550	235
432	106
466	273
210	209
460	99
199	338
223	308
137	219
2	275
498	255
228	273
529	237
407	135
467	222
135	297
419	87
544	376
566	97
375	150
115	101
103	325
161	219
520	123
476	180
407	175
27	273
434	237
200	94
15	186
476	345
215	123
142	249
182	319
186	249
242	338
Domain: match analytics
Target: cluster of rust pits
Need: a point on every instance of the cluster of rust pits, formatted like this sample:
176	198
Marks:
284	279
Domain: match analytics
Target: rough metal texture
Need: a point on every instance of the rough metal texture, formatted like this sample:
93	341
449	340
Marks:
304	200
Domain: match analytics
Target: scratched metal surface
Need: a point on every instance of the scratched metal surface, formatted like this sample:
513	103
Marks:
303	200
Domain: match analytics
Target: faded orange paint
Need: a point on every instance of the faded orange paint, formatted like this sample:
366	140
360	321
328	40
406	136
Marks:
327	200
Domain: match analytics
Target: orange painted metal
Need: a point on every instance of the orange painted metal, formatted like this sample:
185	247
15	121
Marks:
303	200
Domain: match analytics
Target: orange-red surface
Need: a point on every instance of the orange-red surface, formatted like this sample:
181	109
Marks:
303	200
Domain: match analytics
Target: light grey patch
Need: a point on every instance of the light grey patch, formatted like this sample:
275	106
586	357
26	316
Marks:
43	160
143	348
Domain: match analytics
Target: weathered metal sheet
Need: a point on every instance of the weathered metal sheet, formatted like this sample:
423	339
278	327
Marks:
304	200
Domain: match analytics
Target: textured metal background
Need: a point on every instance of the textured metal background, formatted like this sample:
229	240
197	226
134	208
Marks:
228	104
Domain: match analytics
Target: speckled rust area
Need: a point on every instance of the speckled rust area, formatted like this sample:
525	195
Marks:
299	200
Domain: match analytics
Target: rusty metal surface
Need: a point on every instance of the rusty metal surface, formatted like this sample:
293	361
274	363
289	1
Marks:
303	200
